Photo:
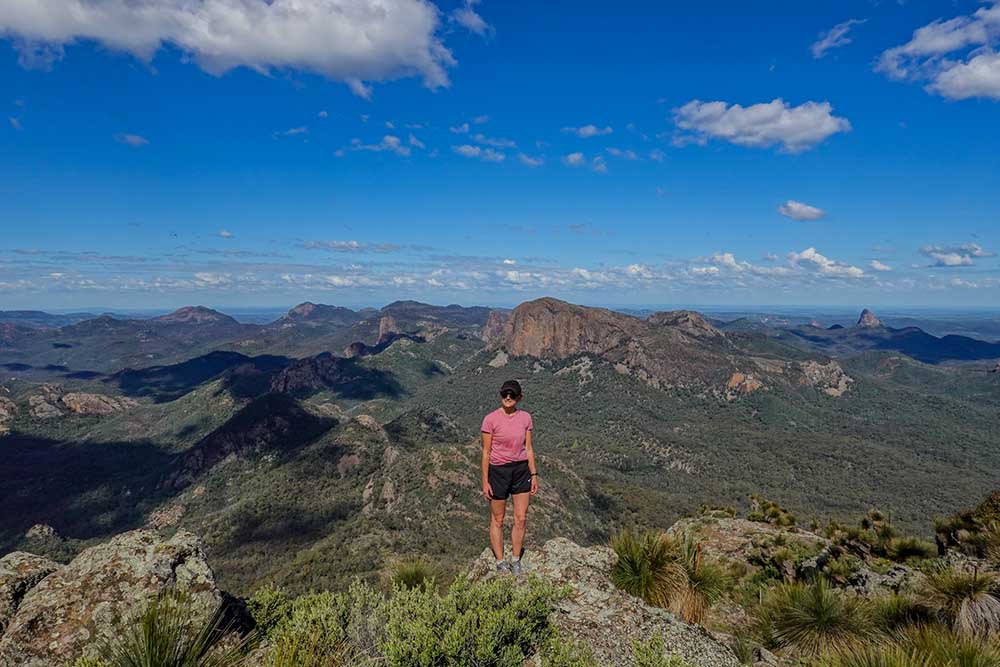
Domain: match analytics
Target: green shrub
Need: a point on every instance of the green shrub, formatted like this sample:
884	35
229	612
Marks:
89	662
165	635
947	649
811	618
902	549
567	652
652	653
269	606
647	566
489	624
412	574
964	600
704	582
882	654
894	612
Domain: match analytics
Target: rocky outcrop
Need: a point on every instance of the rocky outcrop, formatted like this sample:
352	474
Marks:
387	327
493	329
8	411
868	320
688	321
556	329
829	378
741	384
19	573
79	605
607	619
96	404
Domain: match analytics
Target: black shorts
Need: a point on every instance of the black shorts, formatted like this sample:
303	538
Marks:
509	478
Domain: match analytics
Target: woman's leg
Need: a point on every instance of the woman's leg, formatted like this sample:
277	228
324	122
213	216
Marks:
520	522
497	510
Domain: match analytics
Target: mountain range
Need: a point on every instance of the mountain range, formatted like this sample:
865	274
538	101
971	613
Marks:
319	446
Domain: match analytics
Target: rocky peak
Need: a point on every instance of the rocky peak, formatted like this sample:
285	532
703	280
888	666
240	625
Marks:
387	327
194	315
549	327
868	320
604	617
688	321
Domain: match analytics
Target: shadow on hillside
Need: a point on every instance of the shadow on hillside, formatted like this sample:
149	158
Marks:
81	489
168	383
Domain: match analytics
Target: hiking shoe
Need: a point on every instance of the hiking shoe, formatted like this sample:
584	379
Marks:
503	567
515	567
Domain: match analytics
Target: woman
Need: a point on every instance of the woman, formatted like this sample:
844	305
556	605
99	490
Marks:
508	471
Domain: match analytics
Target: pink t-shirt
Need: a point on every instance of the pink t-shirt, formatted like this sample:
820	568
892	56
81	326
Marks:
509	432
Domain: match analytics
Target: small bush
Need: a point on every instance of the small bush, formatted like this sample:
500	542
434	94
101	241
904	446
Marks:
894	612
412	574
647	566
567	652
902	549
489	624
703	584
965	600
269	606
811	618
165	635
652	653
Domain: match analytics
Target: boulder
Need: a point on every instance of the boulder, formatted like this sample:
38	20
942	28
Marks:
78	606
608	619
19	573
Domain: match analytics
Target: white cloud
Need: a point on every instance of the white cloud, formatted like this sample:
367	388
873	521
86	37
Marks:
760	125
389	143
796	210
292	132
588	131
599	165
481	138
833	38
530	161
479	120
926	56
705	270
959	255
416	143
624	154
980	77
876	265
347	40
811	260
226	234
389	125
509	262
133	140
467	17
323	114
14	122
574	159
459	129
657	155
487	154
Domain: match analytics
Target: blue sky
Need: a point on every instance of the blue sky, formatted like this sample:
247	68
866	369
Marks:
238	152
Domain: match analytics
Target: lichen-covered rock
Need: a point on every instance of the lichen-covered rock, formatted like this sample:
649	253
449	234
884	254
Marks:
78	606
41	408
829	378
19	573
8	410
607	619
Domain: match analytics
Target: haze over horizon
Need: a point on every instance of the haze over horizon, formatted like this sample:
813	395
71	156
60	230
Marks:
844	154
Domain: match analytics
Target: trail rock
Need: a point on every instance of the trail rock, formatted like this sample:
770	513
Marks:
78	606
607	619
19	573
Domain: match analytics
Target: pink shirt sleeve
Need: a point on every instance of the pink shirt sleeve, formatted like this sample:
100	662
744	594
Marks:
488	423
530	423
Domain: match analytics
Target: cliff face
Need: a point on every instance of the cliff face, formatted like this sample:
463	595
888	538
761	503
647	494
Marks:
552	328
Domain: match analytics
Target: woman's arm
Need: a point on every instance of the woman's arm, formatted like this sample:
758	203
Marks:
487	446
531	462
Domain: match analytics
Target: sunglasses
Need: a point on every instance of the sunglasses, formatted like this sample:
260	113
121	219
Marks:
508	394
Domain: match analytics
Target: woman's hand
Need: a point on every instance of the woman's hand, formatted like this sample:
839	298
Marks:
534	484
487	490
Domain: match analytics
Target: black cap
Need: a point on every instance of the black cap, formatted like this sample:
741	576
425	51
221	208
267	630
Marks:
511	385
